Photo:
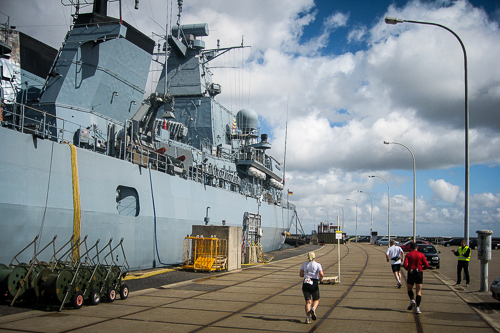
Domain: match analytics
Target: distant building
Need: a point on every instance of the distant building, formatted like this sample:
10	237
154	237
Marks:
326	228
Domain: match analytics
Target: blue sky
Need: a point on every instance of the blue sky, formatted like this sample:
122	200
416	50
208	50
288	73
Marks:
347	82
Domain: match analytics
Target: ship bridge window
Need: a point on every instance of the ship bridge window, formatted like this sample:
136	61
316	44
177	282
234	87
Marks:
127	201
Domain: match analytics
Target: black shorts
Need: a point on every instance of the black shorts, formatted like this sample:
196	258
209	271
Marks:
311	290
396	267
415	277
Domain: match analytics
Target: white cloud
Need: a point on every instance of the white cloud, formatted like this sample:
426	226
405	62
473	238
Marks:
356	35
444	190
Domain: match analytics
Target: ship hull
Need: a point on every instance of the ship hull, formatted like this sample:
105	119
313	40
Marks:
36	198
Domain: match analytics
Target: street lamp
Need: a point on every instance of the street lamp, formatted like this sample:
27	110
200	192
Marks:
371	228
342	216
414	190
356	219
388	209
395	20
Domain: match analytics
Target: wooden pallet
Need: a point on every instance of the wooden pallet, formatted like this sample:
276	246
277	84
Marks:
331	279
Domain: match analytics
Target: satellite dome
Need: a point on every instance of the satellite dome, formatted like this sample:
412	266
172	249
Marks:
247	119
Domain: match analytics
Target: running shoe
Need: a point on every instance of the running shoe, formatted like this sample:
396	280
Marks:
412	304
416	310
312	313
308	320
399	284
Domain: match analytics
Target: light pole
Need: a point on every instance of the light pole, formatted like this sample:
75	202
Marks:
388	209
371	227
342	216
414	190
395	20
327	218
356	218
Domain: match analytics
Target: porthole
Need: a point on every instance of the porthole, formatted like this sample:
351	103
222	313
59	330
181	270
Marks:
127	201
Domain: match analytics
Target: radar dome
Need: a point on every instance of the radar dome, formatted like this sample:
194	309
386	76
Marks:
247	119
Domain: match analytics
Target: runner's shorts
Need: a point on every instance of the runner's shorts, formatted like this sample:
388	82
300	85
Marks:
396	267
415	277
311	290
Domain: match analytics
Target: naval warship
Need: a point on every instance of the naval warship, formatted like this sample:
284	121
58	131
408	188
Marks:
85	151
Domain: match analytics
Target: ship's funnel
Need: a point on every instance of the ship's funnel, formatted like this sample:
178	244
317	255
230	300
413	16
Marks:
247	119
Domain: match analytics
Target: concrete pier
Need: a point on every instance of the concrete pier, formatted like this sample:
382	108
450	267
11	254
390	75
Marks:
268	298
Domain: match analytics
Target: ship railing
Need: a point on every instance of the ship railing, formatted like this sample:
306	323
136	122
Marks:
44	125
251	154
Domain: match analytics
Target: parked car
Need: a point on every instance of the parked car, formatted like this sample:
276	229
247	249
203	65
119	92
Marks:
473	243
495	245
384	242
431	254
495	289
406	246
453	241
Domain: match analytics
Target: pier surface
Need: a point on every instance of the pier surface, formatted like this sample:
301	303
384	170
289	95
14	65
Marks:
268	298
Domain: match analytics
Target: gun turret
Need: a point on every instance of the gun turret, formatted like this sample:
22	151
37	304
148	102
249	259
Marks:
144	119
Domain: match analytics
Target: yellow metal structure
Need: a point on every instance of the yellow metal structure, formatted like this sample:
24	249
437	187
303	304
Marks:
204	254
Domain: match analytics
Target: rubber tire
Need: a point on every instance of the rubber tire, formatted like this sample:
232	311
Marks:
437	267
77	300
94	297
111	295
124	291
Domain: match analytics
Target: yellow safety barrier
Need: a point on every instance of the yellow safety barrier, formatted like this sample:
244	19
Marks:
204	254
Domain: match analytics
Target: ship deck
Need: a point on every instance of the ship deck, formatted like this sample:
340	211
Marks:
268	298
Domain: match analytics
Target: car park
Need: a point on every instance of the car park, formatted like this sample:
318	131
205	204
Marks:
495	289
406	246
453	241
431	254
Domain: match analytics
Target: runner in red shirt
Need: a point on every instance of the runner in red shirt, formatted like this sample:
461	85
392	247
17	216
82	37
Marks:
415	263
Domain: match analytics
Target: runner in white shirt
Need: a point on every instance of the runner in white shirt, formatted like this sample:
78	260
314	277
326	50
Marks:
312	272
395	255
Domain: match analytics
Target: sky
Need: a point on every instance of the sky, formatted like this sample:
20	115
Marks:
331	82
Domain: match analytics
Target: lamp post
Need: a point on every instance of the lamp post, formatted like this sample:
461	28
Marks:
327	218
342	216
388	209
395	20
371	227
356	219
414	190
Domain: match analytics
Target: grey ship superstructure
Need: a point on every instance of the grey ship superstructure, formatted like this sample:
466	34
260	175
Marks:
90	157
